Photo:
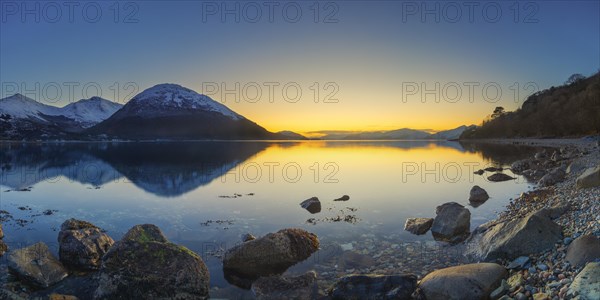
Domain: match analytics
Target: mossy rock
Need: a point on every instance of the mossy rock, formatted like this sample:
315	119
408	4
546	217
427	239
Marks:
145	265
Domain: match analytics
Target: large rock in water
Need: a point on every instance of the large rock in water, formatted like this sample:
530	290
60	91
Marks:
589	178
145	265
510	239
583	249
82	244
472	281
358	287
452	223
418	226
270	254
478	195
497	177
519	166
302	287
313	205
587	283
36	265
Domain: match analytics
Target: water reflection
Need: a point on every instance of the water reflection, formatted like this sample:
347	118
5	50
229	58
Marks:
499	154
163	169
136	179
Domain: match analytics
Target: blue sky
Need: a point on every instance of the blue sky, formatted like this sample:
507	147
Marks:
368	49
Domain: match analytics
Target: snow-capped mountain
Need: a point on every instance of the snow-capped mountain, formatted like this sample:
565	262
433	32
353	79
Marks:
170	111
21	107
22	117
85	111
163	98
89	112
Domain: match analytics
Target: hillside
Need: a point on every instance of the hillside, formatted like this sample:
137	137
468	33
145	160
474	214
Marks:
570	110
173	112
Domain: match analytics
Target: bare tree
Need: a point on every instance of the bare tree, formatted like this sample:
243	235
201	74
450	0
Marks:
574	78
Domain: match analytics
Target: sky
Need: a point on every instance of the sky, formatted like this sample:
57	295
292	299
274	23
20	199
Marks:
304	66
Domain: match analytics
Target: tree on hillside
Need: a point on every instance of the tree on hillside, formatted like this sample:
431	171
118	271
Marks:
574	78
498	111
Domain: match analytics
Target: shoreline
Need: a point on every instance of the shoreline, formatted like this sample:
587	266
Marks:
587	141
583	142
548	274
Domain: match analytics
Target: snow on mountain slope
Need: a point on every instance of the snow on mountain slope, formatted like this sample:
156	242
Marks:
173	96
91	111
86	112
19	106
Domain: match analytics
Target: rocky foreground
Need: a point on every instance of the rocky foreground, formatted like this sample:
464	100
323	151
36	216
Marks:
546	245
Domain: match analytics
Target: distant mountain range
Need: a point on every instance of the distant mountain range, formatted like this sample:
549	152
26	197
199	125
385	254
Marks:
398	134
24	118
162	112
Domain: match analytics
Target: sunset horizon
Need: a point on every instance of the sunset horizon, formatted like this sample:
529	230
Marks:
299	149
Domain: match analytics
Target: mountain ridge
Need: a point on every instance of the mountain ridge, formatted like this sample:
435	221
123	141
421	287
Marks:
25	118
173	112
399	134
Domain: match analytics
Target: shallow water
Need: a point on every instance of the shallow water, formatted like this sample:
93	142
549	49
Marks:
249	187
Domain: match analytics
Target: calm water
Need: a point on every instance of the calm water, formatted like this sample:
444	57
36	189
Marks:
181	187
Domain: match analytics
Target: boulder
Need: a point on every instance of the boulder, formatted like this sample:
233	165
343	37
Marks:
478	195
82	244
303	287
518	237
418	225
313	205
452	223
589	178
520	165
553	177
343	198
36	265
575	167
357	287
587	283
583	249
497	177
471	281
145	265
270	254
